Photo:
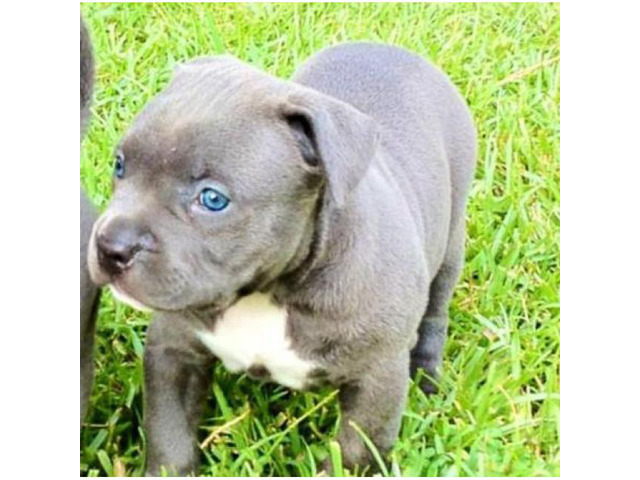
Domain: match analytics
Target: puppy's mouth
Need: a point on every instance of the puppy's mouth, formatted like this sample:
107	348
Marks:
120	294
127	299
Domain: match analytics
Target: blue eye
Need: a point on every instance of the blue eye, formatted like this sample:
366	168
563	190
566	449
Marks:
213	200
119	166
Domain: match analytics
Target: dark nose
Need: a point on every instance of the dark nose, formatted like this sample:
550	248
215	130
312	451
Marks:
118	243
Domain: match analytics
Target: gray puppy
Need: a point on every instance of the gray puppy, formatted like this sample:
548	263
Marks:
308	232
88	215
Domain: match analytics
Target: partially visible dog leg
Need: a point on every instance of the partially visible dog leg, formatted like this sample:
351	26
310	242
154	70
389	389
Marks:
375	404
432	333
89	293
177	378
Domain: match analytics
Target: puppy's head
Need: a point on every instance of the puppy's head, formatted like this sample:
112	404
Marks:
217	182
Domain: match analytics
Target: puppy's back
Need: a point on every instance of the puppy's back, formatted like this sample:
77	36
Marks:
388	83
425	122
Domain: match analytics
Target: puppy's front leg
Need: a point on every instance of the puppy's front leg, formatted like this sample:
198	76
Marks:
375	403
177	377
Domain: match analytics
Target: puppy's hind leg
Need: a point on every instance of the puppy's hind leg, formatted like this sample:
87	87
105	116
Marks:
432	333
177	378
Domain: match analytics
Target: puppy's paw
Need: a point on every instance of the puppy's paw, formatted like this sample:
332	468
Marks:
425	374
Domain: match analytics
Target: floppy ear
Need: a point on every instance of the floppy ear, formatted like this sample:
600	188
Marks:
333	136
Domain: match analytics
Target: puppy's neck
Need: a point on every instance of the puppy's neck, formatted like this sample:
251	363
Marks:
329	236
311	250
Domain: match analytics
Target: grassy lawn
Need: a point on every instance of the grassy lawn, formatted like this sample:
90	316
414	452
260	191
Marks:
498	413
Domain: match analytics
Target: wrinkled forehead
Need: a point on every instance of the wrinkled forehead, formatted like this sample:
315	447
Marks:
209	123
217	147
209	99
209	89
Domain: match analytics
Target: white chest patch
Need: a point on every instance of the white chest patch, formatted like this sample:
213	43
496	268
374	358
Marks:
252	333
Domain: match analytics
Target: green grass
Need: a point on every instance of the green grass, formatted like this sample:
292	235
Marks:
498	413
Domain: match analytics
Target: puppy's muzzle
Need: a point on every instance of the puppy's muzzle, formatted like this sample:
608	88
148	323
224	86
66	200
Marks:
119	242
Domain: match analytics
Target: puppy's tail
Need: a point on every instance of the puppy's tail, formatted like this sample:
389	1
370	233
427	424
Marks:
86	76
